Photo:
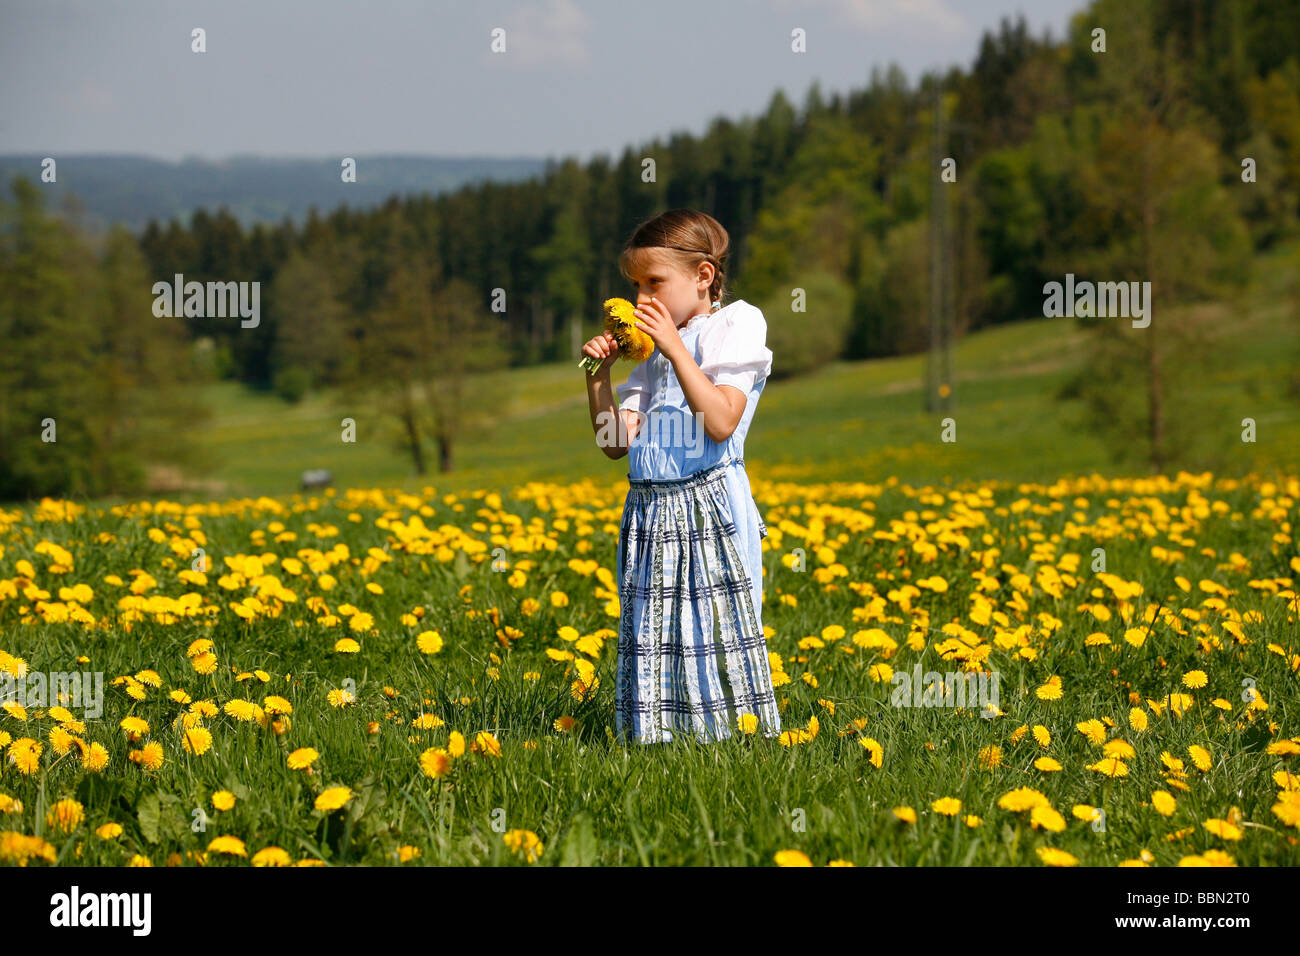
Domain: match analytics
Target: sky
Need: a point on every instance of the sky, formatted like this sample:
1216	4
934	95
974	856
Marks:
324	78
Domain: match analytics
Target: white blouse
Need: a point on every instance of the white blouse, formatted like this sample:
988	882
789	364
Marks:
732	351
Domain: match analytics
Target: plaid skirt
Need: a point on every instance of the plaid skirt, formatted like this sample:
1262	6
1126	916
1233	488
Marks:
691	653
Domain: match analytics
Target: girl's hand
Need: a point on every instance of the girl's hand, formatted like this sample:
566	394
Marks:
603	346
659	325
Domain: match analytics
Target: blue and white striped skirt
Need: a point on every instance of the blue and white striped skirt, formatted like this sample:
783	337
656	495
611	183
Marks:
691	652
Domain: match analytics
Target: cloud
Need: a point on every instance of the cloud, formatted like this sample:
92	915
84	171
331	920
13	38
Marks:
547	34
891	14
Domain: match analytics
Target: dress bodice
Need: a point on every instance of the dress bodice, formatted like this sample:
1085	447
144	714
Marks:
672	442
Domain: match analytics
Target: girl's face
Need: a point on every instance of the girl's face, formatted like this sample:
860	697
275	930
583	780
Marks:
684	294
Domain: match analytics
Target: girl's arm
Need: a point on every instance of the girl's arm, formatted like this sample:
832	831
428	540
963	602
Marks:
604	411
719	406
600	398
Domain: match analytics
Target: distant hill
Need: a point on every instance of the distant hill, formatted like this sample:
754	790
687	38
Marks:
134	189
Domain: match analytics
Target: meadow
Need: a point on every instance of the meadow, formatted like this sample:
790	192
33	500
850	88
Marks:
407	672
354	682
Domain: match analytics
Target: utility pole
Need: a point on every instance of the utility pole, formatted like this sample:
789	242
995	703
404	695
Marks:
938	368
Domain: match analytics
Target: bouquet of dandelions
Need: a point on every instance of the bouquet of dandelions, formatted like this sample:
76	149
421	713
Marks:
633	344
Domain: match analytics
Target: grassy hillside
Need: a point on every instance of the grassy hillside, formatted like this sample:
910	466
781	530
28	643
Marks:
849	421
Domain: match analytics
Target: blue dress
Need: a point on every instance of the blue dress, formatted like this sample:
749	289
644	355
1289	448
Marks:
692	657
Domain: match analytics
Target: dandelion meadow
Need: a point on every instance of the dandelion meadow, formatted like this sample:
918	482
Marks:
390	678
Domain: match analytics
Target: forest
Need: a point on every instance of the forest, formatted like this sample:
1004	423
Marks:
1155	143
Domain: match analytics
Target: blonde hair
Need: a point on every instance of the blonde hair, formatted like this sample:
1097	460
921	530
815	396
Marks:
686	237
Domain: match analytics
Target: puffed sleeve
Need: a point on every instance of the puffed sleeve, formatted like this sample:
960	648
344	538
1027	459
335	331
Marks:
736	352
631	394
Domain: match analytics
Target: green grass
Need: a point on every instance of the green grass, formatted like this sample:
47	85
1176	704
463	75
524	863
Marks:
847	421
737	802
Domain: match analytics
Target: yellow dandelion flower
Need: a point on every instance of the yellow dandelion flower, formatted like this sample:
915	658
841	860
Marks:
135	728
16	711
1224	829
1195	679
303	757
271	856
1119	748
65	815
634	343
230	845
1287	808
243	710
1110	766
94	757
566	723
333	798
1054	857
1217	858
25	754
484	742
1047	818
1093	729
1163	802
223	800
196	740
1022	798
1050	690
948	806
1200	757
435	762
525	842
1136	636
791	858
150	756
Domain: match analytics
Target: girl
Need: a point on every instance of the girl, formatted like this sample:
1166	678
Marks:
692	657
